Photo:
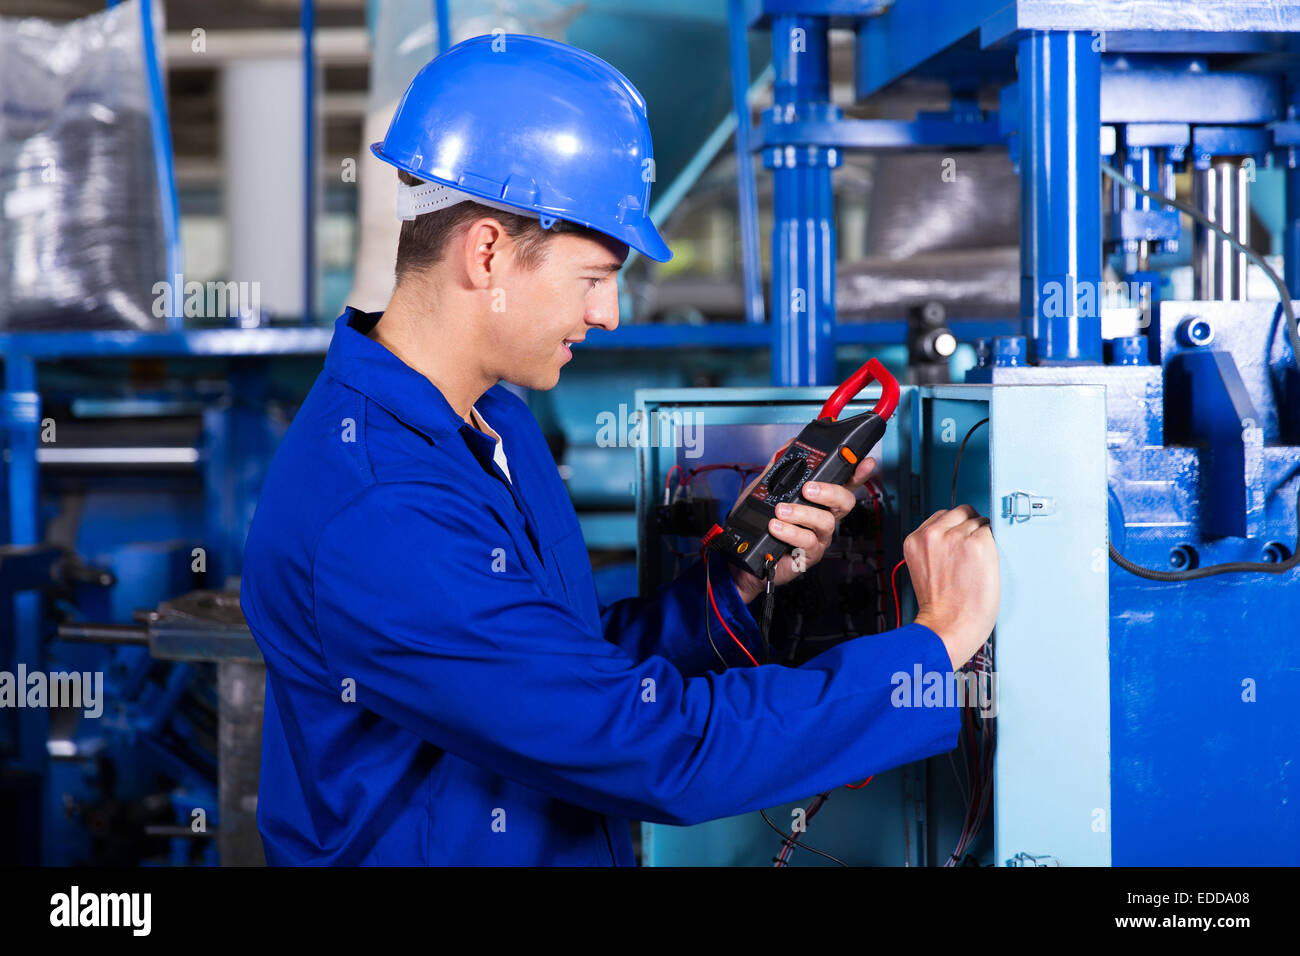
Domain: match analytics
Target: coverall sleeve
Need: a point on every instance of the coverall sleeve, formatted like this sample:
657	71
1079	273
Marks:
671	623
485	665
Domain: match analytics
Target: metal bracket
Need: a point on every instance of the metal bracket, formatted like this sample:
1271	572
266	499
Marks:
1029	859
1021	506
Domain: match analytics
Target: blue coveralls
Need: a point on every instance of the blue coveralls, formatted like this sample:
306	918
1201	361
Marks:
443	687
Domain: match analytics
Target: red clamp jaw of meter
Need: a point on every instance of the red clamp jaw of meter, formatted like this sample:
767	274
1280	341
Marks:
826	450
873	370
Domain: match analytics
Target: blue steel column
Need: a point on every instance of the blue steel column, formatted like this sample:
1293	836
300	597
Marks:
746	188
1060	196
803	227
1291	230
307	23
22	412
1291	227
442	16
164	158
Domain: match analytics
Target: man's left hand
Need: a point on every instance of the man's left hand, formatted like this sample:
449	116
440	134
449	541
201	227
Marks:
803	526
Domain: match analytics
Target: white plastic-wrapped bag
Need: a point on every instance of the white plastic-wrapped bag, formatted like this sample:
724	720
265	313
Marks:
80	222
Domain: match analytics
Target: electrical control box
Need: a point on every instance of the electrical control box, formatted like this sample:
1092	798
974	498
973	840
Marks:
1030	778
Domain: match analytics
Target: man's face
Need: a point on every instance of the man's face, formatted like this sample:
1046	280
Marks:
573	291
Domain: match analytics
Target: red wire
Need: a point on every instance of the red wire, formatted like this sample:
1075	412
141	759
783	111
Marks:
669	480
743	469
709	582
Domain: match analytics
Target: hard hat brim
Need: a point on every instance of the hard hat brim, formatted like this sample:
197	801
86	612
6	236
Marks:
640	235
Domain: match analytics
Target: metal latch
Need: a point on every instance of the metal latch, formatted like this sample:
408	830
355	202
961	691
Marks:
1021	506
1029	859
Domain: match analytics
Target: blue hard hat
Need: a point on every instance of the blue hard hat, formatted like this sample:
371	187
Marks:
535	125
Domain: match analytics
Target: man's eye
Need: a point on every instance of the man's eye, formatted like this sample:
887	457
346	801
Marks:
595	282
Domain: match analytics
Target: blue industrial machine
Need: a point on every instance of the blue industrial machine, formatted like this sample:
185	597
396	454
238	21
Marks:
1141	459
1138	721
142	490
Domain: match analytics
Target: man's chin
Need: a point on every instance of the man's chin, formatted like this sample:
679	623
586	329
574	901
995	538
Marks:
535	382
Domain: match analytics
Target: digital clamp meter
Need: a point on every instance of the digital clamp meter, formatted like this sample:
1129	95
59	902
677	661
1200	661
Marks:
827	451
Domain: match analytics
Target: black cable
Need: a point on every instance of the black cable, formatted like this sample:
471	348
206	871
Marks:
1230	567
1283	293
888	512
787	841
769	585
708	631
952	502
783	857
978	747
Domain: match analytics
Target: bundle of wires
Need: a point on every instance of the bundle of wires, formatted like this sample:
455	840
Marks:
978	745
978	742
684	477
879	502
792	840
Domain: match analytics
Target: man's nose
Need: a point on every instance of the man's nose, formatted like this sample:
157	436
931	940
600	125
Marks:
603	311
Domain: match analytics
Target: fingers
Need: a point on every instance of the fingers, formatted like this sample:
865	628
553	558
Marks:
970	526
838	499
942	521
818	520
796	536
860	474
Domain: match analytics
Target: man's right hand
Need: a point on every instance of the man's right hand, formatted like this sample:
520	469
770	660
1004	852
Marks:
954	568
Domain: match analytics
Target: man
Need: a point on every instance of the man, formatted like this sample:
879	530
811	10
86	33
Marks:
442	686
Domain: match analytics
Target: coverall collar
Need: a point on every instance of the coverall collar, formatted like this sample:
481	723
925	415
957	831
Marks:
363	364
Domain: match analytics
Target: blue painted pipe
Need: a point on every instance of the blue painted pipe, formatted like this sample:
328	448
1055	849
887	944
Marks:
1291	221
803	227
1291	231
22	423
160	131
1060	196
443	18
307	20
746	188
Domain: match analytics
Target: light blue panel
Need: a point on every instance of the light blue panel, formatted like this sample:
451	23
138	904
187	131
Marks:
1051	643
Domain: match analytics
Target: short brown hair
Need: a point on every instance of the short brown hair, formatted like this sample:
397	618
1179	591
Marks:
424	238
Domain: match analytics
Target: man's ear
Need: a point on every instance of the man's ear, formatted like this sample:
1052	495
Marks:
484	250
